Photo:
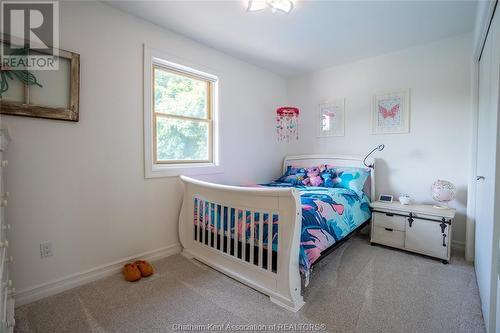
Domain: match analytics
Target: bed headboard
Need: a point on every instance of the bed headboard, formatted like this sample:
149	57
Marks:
305	161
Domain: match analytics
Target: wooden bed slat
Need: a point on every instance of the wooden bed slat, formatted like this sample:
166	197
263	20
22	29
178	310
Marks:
227	221
261	240
235	232
195	220
270	242
252	235
221	227
213	226
200	221
242	225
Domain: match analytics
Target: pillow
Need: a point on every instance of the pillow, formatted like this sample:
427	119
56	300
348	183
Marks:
293	176
346	177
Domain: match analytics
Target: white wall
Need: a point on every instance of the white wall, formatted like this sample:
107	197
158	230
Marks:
438	145
81	185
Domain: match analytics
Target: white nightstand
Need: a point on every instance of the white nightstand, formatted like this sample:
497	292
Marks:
422	229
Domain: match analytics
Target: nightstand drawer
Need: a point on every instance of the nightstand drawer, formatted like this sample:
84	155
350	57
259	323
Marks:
388	236
389	220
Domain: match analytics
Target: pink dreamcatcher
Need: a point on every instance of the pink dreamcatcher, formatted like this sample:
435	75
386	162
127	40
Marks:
287	123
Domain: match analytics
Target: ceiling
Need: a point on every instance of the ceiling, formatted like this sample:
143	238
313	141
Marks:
315	35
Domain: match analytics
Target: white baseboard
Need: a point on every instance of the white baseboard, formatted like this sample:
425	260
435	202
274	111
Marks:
458	245
74	280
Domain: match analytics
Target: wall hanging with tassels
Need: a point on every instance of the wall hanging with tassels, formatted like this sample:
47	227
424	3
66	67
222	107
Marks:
287	123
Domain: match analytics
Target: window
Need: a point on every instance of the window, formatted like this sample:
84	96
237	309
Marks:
180	118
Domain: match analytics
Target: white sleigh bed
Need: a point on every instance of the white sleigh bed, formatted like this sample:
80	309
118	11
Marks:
274	273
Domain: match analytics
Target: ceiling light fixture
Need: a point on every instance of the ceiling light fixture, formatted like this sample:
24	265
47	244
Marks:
284	6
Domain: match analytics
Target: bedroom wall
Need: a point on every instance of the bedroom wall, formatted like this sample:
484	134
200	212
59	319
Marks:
81	185
438	145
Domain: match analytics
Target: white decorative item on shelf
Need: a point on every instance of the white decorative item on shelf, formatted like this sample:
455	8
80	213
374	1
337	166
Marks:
405	199
443	191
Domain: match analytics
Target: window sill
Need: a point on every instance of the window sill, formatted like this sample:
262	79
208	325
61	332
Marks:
161	171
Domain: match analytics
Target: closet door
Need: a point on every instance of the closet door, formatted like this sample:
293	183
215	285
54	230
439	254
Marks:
486	236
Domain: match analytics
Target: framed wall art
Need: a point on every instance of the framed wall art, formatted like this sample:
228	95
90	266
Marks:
391	112
331	121
41	93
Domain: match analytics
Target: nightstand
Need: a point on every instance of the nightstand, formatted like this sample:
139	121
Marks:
421	229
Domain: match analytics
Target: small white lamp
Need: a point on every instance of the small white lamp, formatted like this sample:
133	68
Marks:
379	148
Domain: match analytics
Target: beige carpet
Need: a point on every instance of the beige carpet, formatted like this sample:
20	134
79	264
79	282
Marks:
358	288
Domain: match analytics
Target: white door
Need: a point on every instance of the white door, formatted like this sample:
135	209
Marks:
486	236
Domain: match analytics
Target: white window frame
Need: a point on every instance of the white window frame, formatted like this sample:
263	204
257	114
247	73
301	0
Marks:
155	57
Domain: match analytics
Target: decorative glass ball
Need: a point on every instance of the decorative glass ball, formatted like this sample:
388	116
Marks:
443	191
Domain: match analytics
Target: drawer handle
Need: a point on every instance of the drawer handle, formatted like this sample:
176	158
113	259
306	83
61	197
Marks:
443	225
389	214
444	237
410	219
389	229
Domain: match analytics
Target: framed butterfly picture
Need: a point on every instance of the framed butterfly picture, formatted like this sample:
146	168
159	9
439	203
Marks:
391	112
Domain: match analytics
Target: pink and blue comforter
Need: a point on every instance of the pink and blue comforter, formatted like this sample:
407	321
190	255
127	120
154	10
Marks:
328	216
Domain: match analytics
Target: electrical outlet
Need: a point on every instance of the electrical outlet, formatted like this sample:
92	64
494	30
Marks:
46	250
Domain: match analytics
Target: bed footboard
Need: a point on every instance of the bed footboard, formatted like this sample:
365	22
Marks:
250	234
